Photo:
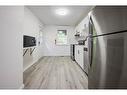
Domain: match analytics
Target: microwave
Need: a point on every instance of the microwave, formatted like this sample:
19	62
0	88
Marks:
29	41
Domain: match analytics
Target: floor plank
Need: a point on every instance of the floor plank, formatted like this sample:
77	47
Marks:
55	73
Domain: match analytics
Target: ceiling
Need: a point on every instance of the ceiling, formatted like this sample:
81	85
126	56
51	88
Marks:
48	16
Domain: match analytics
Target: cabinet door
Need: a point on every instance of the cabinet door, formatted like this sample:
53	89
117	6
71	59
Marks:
80	57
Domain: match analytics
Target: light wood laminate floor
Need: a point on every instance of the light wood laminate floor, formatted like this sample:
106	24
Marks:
55	73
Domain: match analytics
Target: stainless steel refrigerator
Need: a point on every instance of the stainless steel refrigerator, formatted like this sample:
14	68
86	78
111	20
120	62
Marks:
107	59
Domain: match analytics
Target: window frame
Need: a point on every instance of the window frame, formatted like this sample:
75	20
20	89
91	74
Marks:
57	38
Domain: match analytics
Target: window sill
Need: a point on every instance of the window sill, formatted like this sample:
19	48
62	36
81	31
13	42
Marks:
62	45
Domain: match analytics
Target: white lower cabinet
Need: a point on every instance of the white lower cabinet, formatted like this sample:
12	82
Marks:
79	55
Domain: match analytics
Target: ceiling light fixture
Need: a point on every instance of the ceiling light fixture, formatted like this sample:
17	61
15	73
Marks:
62	11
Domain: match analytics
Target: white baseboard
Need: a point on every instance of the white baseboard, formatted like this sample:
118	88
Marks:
31	64
22	86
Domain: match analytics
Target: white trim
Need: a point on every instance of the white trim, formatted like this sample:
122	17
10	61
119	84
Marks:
29	66
22	86
29	47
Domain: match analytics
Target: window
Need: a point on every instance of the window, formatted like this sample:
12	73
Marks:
61	37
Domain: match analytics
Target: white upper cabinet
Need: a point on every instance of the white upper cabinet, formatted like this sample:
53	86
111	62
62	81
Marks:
83	27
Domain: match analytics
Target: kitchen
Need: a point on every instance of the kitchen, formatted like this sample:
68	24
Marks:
63	47
93	41
56	43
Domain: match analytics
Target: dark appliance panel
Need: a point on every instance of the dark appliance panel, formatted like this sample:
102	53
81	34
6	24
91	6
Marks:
73	52
29	41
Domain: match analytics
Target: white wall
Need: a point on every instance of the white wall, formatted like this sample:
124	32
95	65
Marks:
49	47
32	27
11	61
